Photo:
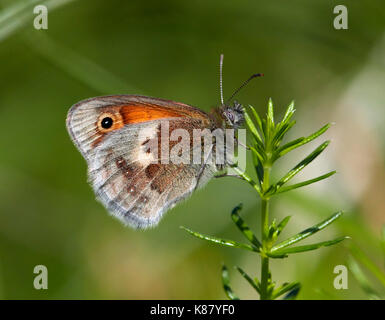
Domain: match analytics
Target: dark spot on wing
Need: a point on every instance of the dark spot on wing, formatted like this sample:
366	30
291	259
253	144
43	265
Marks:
125	168
152	170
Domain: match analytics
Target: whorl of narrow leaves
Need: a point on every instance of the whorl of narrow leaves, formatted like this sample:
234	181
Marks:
267	147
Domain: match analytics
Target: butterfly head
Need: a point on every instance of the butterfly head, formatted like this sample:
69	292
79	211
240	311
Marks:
233	115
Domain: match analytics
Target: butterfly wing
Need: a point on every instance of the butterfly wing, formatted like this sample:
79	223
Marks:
83	119
125	176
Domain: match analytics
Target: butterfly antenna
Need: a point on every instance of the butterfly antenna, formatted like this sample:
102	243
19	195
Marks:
256	75
220	77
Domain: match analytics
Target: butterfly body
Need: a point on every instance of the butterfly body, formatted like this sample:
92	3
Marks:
113	133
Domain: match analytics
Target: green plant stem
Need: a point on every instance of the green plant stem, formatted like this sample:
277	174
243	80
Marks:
265	237
264	278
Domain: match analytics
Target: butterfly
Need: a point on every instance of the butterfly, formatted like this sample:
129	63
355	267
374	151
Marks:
115	135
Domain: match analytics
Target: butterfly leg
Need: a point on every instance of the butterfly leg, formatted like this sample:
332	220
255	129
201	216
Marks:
202	168
228	175
225	174
241	144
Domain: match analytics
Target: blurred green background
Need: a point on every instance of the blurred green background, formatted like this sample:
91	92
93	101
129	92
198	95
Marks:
170	49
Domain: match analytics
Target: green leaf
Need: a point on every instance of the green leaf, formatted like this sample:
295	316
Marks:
272	230
292	295
251	126
226	284
258	153
265	130
362	280
287	145
284	288
285	251
282	224
245	177
270	112
307	232
288	114
223	242
304	183
274	188
257	161
253	283
299	142
261	150
361	257
280	133
256	116
268	124
285	121
243	227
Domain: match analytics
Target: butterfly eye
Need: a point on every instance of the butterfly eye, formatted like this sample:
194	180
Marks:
106	123
230	116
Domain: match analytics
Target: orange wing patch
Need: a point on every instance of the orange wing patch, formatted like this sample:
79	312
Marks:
143	113
136	113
